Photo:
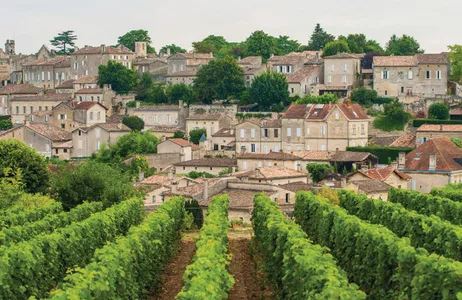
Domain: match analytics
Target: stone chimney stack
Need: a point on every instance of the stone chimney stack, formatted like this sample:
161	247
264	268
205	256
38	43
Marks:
140	176
103	48
402	160
168	52
170	175
138	104
432	162
206	189
180	104
343	182
174	187
141	49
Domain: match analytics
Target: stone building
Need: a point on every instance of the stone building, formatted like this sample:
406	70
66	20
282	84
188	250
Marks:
187	150
223	139
255	135
303	81
85	61
7	92
183	67
89	113
47	73
210	165
48	140
389	175
429	131
341	71
161	115
252	66
211	124
423	75
4	67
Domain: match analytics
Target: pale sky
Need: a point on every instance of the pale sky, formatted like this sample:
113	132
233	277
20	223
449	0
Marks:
435	24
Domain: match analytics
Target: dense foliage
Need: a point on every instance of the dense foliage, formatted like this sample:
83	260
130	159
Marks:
6	124
321	99
138	35
319	38
297	268
384	266
196	134
64	42
177	92
393	118
33	267
15	156
179	134
173	49
419	122
428	204
270	91
334	47
207	276
195	175
48	224
428	232
455	56
385	154
438	111
121	78
404	45
130	266
450	191
192	206
18	217
319	171
133	122
367	97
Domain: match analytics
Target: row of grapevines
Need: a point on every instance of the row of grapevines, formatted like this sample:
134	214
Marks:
33	267
16	234
126	268
207	277
20	217
428	204
428	232
451	191
297	268
384	266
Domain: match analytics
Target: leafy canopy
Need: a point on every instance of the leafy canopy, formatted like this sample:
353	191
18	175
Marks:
6	124
455	56
321	99
135	123
393	118
121	79
438	111
64	42
173	49
405	45
179	134
334	47
196	134
269	90
319	171
260	44
138	35
319	38
181	91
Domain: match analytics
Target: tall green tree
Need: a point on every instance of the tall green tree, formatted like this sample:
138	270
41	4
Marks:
16	156
232	49
212	43
135	123
138	35
335	47
176	92
319	38
196	134
404	45
173	49
122	79
6	124
455	56
260	44
64	41
221	78
438	111
285	45
269	90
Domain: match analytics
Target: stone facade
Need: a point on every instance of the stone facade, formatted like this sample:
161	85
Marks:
22	106
429	131
160	115
47	73
259	136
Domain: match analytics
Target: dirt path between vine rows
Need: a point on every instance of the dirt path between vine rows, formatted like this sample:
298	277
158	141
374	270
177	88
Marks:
172	277
246	267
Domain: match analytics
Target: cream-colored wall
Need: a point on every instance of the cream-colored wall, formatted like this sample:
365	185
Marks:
90	141
158	118
211	126
211	170
424	182
436	134
280	181
338	71
18	118
61	154
171	147
252	164
263	144
294	141
17	134
396	181
221	141
97	118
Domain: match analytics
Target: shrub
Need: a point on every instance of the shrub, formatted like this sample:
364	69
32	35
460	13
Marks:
384	153
195	175
133	122
450	191
179	134
319	171
196	134
16	217
438	111
419	122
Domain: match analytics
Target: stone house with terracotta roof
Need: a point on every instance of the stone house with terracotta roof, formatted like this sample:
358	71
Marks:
422	75
430	131
48	140
187	150
89	113
183	67
303	81
87	140
258	135
47	73
271	174
223	139
389	175
210	165
210	122
85	61
161	115
341	71
435	163
252	66
374	189
9	91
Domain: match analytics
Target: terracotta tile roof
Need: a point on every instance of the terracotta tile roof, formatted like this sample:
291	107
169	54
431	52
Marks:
193	190
157	108
115	119
51	132
264	123
321	111
438	59
204	117
42	113
270	156
165	128
407	140
312	155
383	140
301	74
342	55
19	89
288	60
60	61
183	74
353	111
87	79
197	55
371	186
238	198
63	145
98	50
90	91
254	71
447	156
209	162
383	173
162	179
224	132
350	156
333	87
295	111
85	105
318	111
46	97
249	60
111	127
297	186
180	142
275	172
306	53
440	128
395	61
69	84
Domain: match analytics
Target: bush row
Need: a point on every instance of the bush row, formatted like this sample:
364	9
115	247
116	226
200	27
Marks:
384	266
16	234
20	217
384	153
428	232
207	277
428	204
419	122
297	268
33	267
451	191
127	268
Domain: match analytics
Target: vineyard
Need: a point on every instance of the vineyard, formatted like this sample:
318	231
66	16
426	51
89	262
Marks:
352	248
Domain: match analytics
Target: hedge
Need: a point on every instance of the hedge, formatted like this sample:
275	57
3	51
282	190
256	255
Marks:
384	265
129	267
33	267
428	204
297	268
16	234
207	276
450	191
431	233
384	153
419	122
17	217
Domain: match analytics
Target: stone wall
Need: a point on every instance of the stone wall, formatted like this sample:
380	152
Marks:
159	160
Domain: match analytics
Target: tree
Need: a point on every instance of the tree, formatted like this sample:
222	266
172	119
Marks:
457	142
321	99
358	43
260	44
133	122
455	56
373	46
196	134
121	79
145	84
269	90
232	49
179	134
6	124
319	171
64	41
11	188
393	118
285	45
130	38
364	96
181	91
173	49
15	156
139	164
204	47
319	39
405	45
156	94
335	47
91	181
212	43
438	111
221	78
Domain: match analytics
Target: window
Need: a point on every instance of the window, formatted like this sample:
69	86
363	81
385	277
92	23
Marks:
98	132
98	145
252	132
92	98
287	197
31	109
57	76
98	116
169	119
323	130
308	131
289	131
266	132
345	67
332	67
265	149
17	109
385	74
329	79
386	93
253	148
91	115
354	129
80	143
299	131
409	74
244	165
423	140
86	72
63	126
337	116
276	148
308	147
299	148
344	79
363	129
24	110
323	147
428	74
289	147
276	133
260	164
49	76
438	74
242	133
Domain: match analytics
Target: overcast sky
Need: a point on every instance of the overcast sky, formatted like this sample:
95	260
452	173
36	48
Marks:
435	24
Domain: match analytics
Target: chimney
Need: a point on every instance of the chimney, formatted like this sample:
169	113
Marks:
174	187
76	48
168	52
432	162
206	189
180	104
364	168
343	182
140	176
103	48
402	160
170	175
211	54
138	104
349	103
441	127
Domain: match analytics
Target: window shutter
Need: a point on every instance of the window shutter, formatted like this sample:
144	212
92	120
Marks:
381	74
